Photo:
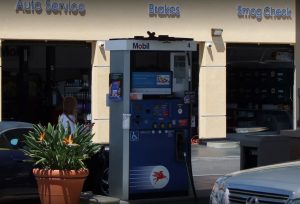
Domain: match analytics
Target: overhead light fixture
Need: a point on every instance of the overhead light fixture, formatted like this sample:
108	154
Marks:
216	32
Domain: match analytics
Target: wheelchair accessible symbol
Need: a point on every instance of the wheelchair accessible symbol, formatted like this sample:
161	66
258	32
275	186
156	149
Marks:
134	136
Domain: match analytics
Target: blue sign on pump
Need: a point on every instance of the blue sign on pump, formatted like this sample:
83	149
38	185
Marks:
152	82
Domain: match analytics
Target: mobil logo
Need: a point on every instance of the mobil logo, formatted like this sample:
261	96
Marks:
159	177
140	46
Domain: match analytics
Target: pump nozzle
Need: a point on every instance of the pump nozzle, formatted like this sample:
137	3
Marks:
190	175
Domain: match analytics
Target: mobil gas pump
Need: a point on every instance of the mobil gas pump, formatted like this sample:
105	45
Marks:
149	116
158	140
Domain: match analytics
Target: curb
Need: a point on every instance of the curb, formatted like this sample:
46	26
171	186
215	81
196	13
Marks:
223	144
99	199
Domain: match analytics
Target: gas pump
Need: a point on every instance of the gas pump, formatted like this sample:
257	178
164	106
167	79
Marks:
159	137
149	117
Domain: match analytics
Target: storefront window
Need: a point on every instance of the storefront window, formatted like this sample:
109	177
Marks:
37	75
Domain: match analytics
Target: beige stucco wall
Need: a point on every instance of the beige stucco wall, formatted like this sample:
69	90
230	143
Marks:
100	109
212	90
121	19
118	18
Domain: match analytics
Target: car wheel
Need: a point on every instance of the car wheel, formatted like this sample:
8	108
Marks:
104	182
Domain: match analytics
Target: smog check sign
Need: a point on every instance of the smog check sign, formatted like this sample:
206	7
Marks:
267	12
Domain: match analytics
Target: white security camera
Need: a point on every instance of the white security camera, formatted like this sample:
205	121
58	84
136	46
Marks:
100	44
209	45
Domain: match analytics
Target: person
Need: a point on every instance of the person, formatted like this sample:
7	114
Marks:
68	116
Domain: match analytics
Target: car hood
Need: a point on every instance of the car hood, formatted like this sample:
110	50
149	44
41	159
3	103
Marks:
285	176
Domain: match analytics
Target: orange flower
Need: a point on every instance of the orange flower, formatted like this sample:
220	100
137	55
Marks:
68	140
42	136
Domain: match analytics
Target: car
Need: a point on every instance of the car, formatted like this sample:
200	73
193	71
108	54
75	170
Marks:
277	183
16	177
98	165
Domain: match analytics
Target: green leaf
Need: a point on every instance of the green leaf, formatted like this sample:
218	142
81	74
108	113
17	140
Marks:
54	153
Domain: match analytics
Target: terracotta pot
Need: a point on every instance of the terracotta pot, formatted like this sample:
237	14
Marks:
60	186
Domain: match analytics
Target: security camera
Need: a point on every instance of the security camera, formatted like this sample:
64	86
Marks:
209	45
100	44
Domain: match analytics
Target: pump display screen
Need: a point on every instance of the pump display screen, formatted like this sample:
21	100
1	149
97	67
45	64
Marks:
151	83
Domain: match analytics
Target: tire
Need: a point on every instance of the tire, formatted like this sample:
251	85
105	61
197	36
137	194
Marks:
104	182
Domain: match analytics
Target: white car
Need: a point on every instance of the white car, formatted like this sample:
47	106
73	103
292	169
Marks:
273	184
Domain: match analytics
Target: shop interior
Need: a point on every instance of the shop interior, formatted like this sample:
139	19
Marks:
36	75
259	88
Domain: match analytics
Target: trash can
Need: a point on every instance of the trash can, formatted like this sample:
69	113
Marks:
262	149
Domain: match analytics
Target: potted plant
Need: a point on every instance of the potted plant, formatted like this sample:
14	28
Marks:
59	157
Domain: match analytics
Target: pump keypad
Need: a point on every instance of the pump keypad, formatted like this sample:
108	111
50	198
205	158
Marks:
159	114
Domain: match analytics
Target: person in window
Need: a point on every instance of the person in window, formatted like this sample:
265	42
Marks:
68	117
